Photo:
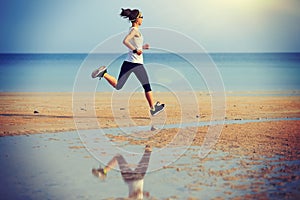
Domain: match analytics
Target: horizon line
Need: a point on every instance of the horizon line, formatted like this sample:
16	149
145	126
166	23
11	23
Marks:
212	52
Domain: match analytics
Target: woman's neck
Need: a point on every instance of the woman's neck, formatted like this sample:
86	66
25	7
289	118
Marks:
135	25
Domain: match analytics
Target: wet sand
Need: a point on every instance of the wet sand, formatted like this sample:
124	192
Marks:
272	145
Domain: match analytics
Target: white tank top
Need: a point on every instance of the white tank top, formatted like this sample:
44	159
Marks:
136	188
137	42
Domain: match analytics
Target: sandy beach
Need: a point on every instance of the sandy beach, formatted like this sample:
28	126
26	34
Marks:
260	141
32	113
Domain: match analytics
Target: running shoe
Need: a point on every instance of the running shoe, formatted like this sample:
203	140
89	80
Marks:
99	173
148	148
157	109
99	72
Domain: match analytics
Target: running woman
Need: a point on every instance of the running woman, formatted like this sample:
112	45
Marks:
134	61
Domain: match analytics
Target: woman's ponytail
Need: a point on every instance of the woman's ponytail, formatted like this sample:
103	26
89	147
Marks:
130	14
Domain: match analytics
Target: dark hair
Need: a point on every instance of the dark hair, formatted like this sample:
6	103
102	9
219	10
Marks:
130	14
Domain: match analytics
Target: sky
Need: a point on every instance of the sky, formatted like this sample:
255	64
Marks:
78	26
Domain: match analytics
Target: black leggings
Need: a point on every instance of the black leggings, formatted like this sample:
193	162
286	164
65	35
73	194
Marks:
139	172
139	71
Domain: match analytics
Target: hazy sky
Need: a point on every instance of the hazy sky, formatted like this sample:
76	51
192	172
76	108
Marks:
77	26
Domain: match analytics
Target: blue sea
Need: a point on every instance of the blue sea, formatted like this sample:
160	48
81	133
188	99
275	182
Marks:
167	71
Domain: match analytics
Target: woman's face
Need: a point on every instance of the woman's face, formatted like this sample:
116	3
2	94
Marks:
139	20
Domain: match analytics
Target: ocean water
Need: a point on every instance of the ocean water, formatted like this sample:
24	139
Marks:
230	71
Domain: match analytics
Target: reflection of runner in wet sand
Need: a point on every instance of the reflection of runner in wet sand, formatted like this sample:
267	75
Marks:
134	61
133	178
